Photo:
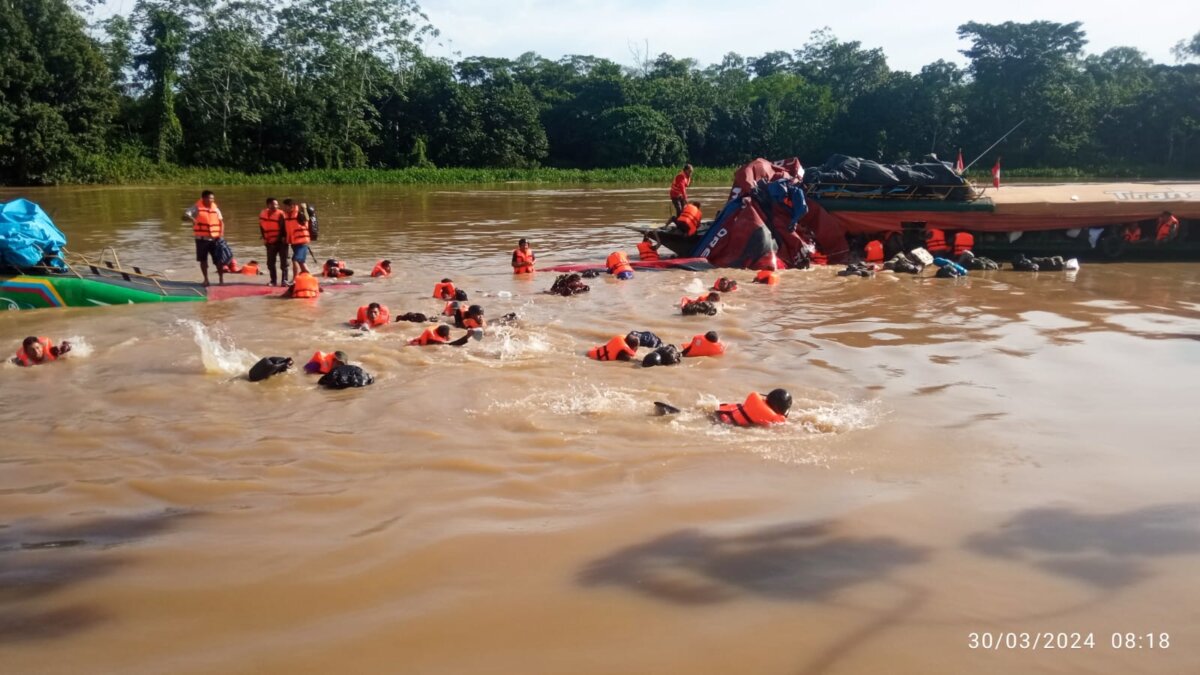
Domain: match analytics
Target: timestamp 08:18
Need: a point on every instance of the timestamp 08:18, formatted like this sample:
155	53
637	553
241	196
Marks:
1035	641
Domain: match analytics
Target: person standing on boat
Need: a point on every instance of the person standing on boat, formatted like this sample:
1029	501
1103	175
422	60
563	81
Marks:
1166	229
295	222
208	227
274	237
679	188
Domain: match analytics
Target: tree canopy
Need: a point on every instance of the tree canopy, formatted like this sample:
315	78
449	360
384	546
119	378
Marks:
270	85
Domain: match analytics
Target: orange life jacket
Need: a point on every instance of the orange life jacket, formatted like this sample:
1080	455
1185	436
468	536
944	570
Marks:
297	232
1165	225
335	272
305	286
429	337
1132	233
818	258
450	308
754	412
269	225
874	250
646	251
47	353
231	267
379	271
963	241
618	262
208	221
324	361
767	277
444	290
609	352
700	346
524	261
680	185
471	322
690	218
936	243
381	320
684	301
251	269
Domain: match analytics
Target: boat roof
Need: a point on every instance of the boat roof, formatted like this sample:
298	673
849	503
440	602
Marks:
1077	200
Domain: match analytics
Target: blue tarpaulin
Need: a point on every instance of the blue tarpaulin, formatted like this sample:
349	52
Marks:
27	235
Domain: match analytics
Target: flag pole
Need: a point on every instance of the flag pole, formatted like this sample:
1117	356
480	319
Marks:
993	145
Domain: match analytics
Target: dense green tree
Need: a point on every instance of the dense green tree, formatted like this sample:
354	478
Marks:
1031	72
57	97
637	135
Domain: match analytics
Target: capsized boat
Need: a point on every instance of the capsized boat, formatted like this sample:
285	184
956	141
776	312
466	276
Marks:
780	215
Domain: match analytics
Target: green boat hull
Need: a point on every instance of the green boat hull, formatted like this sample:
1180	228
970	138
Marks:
30	291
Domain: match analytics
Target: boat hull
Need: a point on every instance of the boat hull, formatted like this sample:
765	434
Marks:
45	291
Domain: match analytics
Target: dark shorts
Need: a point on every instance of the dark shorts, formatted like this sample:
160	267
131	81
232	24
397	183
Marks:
206	249
624	276
300	252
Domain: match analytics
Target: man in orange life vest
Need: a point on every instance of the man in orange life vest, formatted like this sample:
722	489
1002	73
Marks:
371	316
295	222
441	336
322	362
679	188
619	348
208	227
756	411
522	258
383	268
35	351
304	287
273	229
618	265
688	220
1166	229
708	344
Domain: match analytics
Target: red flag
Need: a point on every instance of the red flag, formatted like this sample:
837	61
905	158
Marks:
958	166
996	174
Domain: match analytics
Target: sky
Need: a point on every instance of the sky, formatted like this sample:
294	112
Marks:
911	34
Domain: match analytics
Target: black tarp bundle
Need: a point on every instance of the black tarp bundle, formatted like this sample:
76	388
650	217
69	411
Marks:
851	174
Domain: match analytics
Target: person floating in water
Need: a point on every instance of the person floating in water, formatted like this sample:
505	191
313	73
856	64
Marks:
679	188
618	265
383	268
35	351
708	344
445	290
522	258
440	335
335	269
756	411
725	285
323	362
619	348
371	316
304	287
648	249
768	277
208	227
665	355
568	284
711	296
471	317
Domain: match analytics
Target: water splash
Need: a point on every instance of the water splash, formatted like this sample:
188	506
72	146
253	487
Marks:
80	347
217	351
577	400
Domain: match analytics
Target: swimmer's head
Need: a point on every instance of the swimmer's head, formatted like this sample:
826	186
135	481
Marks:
459	294
711	336
475	310
780	401
632	341
713	297
33	348
340	359
443	331
652	359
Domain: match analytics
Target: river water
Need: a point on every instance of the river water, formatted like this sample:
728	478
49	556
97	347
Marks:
1005	453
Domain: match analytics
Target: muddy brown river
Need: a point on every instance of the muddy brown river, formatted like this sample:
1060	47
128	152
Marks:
989	475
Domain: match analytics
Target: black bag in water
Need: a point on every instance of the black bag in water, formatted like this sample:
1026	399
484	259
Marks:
344	377
268	366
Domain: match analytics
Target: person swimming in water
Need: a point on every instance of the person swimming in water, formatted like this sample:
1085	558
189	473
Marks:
323	362
371	316
35	351
440	335
756	411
